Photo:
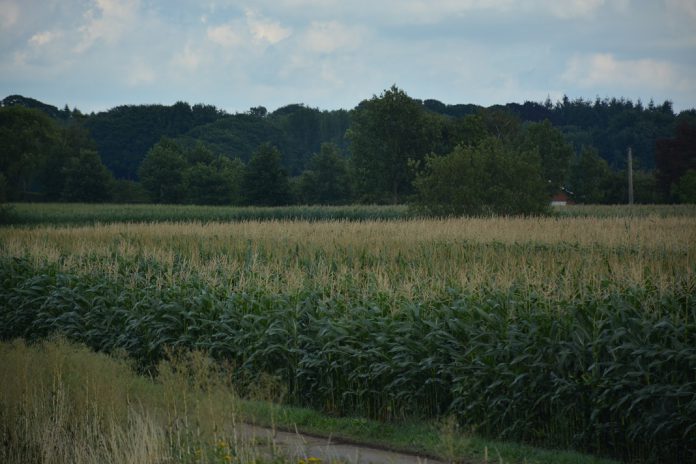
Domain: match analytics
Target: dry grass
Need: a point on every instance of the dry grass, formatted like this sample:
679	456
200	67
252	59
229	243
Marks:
64	404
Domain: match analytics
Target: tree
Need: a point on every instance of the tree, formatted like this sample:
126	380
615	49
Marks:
590	177
70	142
217	183
386	132
4	209
327	181
199	154
684	190
129	191
265	181
554	151
491	178
86	179
205	185
645	188
233	171
675	156
27	138
468	130
500	123
161	172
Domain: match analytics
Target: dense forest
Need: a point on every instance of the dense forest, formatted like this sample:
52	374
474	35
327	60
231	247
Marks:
391	148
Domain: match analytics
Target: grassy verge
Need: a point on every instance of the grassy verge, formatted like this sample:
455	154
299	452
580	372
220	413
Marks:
80	213
443	440
62	403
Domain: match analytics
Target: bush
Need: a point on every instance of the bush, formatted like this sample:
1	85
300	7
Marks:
491	178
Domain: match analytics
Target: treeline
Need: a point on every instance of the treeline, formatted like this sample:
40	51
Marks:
446	159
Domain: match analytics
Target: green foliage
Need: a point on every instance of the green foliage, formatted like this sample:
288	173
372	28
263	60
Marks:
27	137
206	185
469	130
610	373
161	172
491	178
4	208
645	188
128	191
265	182
590	177
125	134
386	133
556	154
54	213
500	123
676	156
684	191
86	179
327	181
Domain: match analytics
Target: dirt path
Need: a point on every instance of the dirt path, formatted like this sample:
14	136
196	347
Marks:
300	446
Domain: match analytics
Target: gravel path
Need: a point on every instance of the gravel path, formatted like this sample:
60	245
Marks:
302	447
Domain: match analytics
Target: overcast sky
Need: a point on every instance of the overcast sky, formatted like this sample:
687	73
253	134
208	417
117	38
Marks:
234	54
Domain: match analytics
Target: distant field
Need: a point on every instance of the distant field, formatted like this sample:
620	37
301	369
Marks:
85	213
575	330
81	213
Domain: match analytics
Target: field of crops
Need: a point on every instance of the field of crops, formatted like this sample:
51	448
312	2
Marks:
571	331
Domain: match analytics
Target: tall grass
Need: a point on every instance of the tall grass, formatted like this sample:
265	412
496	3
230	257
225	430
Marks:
81	214
85	213
61	403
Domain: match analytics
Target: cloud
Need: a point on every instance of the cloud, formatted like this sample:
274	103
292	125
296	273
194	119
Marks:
266	30
43	38
604	70
108	20
140	73
329	36
188	58
9	14
682	6
574	8
225	35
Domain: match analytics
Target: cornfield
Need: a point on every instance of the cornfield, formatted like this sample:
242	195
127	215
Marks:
574	332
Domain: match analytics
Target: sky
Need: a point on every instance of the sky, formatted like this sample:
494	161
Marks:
330	54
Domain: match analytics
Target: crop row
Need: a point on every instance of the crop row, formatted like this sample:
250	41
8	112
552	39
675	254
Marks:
604	374
73	214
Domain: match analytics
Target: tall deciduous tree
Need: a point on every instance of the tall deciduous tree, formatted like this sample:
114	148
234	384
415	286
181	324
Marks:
386	132
491	178
591	177
27	138
556	154
675	156
684	190
86	178
327	181
265	181
161	172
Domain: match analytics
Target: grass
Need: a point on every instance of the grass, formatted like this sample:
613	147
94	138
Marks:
62	403
86	213
443	440
72	214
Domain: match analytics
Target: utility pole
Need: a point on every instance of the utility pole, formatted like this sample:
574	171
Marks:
630	176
